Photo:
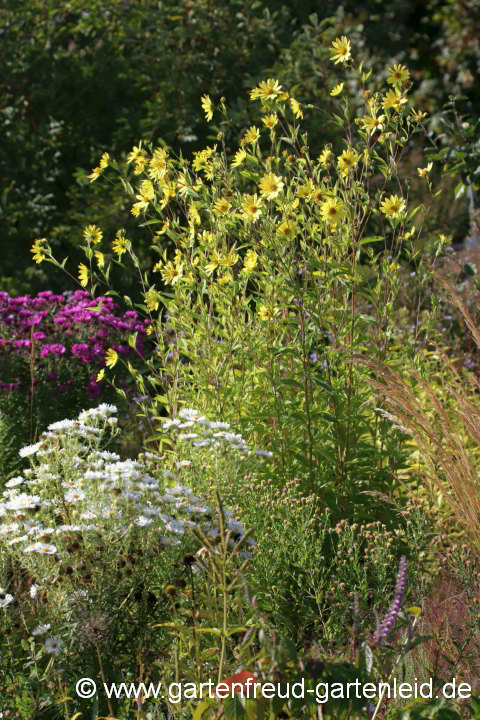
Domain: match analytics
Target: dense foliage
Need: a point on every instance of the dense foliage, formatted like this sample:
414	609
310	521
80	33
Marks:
246	450
80	79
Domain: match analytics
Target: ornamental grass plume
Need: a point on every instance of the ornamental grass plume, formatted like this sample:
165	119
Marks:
443	421
385	626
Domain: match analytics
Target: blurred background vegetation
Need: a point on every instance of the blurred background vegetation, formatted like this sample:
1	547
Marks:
84	77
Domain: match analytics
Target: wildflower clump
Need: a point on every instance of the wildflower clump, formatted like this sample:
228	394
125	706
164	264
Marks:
53	349
276	268
73	515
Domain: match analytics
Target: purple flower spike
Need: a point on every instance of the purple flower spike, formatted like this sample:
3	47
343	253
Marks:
387	623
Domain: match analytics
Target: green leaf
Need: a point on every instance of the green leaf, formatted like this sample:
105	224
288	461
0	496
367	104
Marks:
233	708
201	708
371	239
151	222
238	629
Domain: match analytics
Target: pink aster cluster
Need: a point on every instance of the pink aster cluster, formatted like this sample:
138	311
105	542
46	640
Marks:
63	329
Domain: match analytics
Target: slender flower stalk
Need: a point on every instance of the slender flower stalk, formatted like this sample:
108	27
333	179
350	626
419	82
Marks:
385	626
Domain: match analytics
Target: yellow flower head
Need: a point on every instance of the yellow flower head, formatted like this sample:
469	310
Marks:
39	250
207	107
121	245
326	157
394	99
225	279
207	237
393	206
266	312
423	172
270	120
337	90
140	163
152	299
100	258
230	259
307	190
418	116
95	174
249	262
214	262
318	195
104	160
267	90
251	207
342	49
101	375
92	234
296	108
271	186
221	207
252	135
348	160
332	210
147	191
83	275
240	156
372	123
111	358
158	164
287	229
137	154
397	75
172	273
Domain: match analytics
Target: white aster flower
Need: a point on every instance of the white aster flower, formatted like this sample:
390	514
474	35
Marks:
8	528
169	423
5	600
179	490
63	425
14	482
188	413
53	645
30	450
73	496
152	456
176	526
22	502
105	455
45	548
41	629
71	483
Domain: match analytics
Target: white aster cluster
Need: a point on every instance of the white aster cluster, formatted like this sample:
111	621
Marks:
208	433
76	487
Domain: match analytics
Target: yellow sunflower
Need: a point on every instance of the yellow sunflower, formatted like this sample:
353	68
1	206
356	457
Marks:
393	206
